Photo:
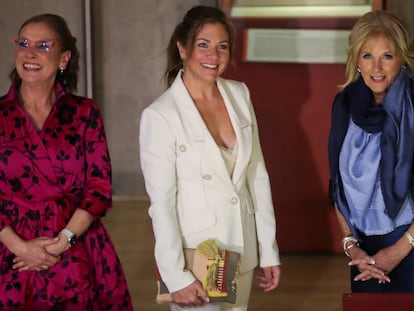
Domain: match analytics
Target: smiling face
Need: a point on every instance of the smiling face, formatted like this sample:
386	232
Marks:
210	54
379	65
34	64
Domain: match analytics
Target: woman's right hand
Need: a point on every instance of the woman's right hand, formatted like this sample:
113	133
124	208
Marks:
191	296
366	265
32	255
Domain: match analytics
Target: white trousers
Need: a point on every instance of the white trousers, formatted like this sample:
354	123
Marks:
244	286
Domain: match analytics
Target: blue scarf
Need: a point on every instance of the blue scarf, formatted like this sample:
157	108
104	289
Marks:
395	118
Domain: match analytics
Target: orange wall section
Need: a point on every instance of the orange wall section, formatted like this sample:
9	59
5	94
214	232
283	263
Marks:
293	108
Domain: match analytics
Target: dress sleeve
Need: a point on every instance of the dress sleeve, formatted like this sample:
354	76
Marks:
4	219
97	192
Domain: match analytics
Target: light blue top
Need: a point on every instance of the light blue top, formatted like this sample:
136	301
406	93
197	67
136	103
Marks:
359	164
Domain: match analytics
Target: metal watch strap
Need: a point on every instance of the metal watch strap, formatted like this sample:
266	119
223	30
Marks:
69	235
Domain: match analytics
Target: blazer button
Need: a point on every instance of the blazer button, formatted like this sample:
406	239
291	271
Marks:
234	200
182	148
207	177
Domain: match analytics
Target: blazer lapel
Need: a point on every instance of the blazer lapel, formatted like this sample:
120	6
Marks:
196	131
233	100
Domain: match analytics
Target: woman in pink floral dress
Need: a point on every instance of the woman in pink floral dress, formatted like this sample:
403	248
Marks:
55	183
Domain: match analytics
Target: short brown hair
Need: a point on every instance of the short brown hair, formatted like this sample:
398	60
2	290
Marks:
69	79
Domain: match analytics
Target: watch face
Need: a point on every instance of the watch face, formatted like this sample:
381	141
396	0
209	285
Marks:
72	240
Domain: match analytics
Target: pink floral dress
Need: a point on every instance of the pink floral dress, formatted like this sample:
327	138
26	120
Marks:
45	175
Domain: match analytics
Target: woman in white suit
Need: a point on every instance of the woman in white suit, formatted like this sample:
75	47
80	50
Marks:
203	165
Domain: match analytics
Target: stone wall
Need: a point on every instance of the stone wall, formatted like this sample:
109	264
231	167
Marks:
128	42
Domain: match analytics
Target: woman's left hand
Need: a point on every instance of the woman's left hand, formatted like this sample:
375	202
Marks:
367	266
390	257
61	245
385	260
269	278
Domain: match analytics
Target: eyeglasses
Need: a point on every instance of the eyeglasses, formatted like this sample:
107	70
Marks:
43	46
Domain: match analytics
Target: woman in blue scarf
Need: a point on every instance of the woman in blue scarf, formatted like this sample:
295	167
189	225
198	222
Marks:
371	150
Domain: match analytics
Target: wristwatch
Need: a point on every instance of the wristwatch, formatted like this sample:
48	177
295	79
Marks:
70	236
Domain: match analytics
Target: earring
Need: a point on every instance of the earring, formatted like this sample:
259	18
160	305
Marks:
62	70
359	70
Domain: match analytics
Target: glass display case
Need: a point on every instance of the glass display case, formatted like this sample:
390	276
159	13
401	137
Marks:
296	31
299	8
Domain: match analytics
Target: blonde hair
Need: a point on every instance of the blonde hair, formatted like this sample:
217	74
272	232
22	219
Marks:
372	25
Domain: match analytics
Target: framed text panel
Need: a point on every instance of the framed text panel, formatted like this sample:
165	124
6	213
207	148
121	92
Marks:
323	46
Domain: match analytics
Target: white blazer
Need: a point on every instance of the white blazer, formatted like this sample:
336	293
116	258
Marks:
193	198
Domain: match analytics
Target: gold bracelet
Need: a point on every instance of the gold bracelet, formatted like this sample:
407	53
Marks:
410	238
346	240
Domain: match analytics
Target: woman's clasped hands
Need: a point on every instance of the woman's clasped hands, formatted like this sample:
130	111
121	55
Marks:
377	266
39	254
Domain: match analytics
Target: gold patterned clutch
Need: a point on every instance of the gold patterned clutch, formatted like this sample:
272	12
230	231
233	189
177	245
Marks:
216	269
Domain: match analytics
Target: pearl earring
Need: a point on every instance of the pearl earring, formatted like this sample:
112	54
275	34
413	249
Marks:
359	70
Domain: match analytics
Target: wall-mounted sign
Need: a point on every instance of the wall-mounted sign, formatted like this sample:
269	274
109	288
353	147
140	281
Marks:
299	8
295	45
